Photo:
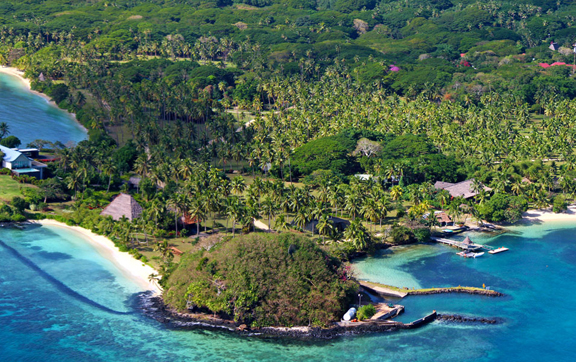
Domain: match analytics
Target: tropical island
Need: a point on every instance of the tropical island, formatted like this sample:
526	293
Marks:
248	151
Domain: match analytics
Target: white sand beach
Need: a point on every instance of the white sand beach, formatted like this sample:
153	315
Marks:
130	267
548	215
20	75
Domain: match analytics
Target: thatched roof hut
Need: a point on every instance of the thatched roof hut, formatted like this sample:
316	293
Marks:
443	218
467	241
464	188
123	205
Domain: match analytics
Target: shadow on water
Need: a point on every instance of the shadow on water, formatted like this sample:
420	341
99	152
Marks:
58	284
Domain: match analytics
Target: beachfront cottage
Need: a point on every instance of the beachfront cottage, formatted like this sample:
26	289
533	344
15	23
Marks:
443	218
464	188
123	205
20	164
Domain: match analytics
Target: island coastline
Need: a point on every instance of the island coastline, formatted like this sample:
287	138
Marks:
131	268
17	73
544	215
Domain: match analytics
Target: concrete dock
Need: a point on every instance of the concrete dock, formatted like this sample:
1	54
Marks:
379	289
384	311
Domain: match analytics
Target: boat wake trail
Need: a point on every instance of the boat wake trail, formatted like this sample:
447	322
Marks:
58	284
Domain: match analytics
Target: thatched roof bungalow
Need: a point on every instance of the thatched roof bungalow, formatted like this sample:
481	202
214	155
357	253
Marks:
463	188
444	219
123	205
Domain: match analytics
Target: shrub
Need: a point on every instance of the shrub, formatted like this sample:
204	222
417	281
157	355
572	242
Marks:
19	204
560	204
503	208
402	235
422	234
10	142
18	218
365	312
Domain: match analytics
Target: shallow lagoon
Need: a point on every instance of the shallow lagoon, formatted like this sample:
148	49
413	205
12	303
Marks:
31	117
41	321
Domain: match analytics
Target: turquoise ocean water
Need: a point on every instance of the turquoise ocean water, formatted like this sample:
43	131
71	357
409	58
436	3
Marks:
62	301
31	117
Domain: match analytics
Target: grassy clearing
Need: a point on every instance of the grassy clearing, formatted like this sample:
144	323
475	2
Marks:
10	188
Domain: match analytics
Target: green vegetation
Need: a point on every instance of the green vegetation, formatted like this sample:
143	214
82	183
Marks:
10	188
502	207
365	312
188	98
263	280
10	142
559	204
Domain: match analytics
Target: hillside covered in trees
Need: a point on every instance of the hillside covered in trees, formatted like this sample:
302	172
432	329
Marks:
263	281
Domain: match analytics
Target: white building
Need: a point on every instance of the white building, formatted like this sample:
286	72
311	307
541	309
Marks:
20	164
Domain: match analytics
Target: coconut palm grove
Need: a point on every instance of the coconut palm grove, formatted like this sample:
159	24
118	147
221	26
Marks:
249	150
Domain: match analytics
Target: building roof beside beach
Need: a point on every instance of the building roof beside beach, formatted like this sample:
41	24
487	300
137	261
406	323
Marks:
123	205
465	188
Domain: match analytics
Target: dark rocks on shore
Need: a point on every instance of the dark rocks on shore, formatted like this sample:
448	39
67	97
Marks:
155	308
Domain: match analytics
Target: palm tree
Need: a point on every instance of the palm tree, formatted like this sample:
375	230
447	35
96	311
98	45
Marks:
301	218
72	182
178	202
165	251
324	226
234	210
237	185
4	129
109	170
396	193
154	278
370	211
357	235
281	223
517	187
269	209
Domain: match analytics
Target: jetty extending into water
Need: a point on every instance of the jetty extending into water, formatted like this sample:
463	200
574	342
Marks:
467	244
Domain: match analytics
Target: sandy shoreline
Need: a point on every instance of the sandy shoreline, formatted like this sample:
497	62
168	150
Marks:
130	267
20	75
548	215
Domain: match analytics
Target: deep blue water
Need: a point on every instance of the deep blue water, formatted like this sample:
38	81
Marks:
62	301
32	117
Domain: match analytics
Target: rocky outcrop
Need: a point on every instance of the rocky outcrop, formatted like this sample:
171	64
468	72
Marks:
155	308
463	319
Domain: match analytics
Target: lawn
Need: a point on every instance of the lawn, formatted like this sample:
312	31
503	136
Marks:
10	188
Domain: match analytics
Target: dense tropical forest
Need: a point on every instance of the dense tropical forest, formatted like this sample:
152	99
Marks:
229	112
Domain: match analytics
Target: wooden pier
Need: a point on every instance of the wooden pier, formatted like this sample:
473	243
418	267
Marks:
464	245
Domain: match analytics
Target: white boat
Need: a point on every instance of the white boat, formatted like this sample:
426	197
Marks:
468	254
499	250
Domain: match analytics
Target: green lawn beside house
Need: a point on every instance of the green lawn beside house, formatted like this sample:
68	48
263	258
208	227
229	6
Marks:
10	188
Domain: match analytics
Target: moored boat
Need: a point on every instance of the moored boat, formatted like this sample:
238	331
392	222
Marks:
468	254
499	250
